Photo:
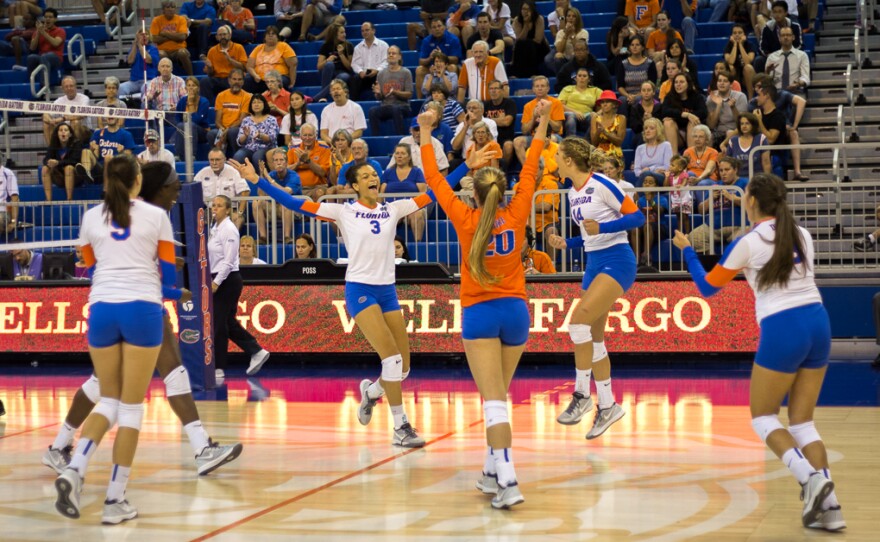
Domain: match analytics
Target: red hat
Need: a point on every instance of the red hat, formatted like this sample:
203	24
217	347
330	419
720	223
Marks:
608	95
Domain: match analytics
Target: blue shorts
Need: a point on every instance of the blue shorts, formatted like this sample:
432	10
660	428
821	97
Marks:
139	323
359	296
794	339
506	318
617	261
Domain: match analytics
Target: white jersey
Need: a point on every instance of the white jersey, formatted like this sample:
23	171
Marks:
751	252
600	199
369	236
127	266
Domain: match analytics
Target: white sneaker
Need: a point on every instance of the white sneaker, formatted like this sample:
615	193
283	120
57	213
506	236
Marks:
813	493
508	496
580	404
214	456
69	488
56	459
115	512
407	437
488	484
219	376
830	520
365	410
604	419
257	361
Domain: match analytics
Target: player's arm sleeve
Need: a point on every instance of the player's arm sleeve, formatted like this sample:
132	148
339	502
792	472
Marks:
89	259
167	262
574	242
711	283
632	217
441	186
298	205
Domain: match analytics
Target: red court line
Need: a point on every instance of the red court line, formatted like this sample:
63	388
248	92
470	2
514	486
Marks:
28	430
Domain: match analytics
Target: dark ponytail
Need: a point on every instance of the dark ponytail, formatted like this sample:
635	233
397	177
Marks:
119	176
769	193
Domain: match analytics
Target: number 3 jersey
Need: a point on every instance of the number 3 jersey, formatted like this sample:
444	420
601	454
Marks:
600	199
369	235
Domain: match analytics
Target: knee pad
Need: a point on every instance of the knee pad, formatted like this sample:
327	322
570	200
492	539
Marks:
404	375
804	433
599	351
764	425
109	408
392	369
92	389
495	413
580	333
177	383
131	416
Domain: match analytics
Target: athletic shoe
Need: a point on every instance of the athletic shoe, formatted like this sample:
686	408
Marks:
831	520
863	245
604	419
507	496
813	493
407	437
69	488
219	376
365	410
115	512
488	484
84	171
257	361
214	456
56	459
579	405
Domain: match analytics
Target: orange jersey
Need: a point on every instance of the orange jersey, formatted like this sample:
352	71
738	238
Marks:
504	253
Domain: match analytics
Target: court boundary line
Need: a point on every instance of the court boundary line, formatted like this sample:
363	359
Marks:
31	430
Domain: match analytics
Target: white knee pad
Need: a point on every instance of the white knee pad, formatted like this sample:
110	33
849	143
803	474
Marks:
580	333
599	351
804	433
109	408
131	416
92	389
404	375
764	425
177	383
392	369
495	413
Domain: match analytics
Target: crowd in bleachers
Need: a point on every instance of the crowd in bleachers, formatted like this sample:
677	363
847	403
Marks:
664	98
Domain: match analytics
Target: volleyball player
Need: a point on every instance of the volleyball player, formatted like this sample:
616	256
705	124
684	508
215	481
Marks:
603	214
495	314
160	187
129	244
368	229
776	258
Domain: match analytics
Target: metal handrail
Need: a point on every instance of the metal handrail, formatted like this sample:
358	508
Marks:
850	100
116	30
841	132
866	27
128	17
80	60
45	91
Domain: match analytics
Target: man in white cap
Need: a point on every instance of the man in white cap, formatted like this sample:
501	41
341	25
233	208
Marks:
153	152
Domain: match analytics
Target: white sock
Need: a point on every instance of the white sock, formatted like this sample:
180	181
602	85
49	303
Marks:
504	466
831	500
65	436
582	381
375	390
198	437
118	481
603	390
399	416
872	238
489	462
85	449
798	465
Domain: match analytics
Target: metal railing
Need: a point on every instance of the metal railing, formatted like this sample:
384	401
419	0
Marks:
45	91
5	128
79	60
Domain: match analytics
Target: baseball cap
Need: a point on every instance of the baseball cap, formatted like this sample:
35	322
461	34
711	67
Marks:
151	135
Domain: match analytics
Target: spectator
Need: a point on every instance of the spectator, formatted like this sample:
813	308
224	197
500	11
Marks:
439	40
617	42
342	114
106	143
200	16
153	153
724	204
790	67
26	264
166	90
340	155
414	141
339	20
276	95
676	51
547	205
723	107
297	116
441	131
770	41
305	247
607	127
740	145
792	107
70	96
462	18
464	132
271	55
288	17
556	19
740	54
369	58
401	252
404	178
502	110
81	270
197	106
719	67
478	71
612	167
220	179
9	194
645	108
579	100
334	60
59	165
438	75
18	41
394	88
231	106
101	7
241	19
359	155
430	10
499	19
319	13
870	241
682	201
682	109
18	10
721	9
483	141
654	205
222	59
652	156
247	249
681	15
541	89
673	68
772	124
111	88
287	180
572	32
599	75
258	132
531	45
311	161
634	70
169	32
484	32
143	57
453	113
47	43
642	16
535	261
702	159
660	39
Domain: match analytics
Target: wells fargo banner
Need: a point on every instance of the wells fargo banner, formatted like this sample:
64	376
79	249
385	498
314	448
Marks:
662	316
